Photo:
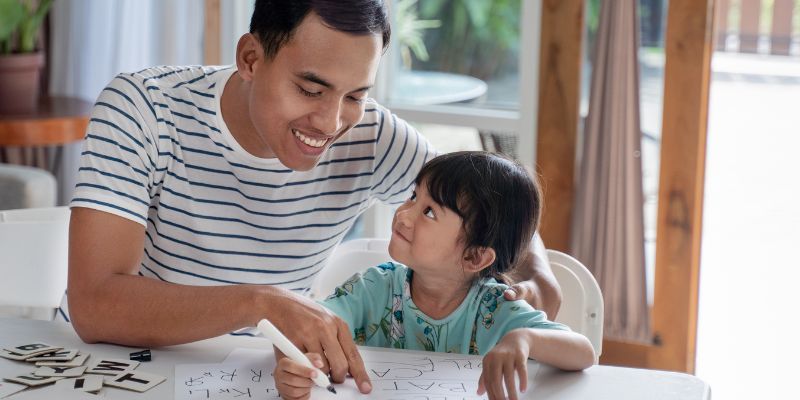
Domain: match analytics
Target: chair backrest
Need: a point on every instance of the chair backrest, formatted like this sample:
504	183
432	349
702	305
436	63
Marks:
582	301
347	259
581	305
33	256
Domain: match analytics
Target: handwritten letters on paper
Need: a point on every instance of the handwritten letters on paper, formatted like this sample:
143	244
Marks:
395	375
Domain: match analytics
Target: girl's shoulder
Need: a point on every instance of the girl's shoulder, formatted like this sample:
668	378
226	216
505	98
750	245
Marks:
489	297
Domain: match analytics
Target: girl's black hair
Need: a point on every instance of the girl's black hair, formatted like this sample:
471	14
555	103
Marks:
499	202
274	21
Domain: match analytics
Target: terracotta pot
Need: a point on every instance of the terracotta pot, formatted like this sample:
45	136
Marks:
19	82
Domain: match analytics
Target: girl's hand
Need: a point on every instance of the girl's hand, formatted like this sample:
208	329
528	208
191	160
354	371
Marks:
293	380
510	355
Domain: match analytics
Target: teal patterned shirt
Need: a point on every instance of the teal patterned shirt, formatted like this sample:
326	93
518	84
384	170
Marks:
378	308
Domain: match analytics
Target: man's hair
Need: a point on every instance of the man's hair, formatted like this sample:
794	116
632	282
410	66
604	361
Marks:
274	21
498	201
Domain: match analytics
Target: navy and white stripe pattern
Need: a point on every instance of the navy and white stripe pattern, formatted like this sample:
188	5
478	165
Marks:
158	152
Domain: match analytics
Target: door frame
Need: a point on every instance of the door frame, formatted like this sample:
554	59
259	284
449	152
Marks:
688	49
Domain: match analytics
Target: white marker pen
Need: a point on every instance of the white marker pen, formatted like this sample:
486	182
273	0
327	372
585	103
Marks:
290	350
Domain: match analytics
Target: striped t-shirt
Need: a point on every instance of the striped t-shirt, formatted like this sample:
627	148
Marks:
158	152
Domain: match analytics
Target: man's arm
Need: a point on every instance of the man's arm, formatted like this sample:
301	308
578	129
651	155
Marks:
110	302
535	281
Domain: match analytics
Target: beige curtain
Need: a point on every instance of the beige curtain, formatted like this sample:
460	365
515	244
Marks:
607	231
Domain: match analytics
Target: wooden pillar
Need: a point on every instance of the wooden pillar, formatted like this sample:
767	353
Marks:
781	36
749	22
559	108
687	73
722	12
211	33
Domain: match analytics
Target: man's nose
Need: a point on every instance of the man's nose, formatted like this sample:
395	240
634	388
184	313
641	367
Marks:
328	118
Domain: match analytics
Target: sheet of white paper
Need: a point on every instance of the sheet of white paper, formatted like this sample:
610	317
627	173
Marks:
9	388
395	375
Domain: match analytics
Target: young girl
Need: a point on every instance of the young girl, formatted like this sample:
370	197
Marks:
467	223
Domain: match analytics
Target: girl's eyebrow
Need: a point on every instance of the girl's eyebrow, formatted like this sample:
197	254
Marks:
442	208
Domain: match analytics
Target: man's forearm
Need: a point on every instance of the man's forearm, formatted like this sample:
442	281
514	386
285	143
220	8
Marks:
139	311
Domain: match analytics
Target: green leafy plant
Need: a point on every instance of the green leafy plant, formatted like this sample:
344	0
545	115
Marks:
477	37
410	31
19	24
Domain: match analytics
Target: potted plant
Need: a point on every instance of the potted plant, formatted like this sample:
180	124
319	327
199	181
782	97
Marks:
409	31
20	60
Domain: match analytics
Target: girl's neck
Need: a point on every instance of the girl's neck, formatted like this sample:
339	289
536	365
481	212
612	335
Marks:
438	297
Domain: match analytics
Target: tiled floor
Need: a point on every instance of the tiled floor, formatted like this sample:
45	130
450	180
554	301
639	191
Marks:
748	345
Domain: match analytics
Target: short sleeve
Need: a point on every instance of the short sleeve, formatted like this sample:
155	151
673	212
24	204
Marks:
401	153
119	153
519	314
361	299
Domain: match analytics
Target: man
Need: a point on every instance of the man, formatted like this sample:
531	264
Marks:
208	197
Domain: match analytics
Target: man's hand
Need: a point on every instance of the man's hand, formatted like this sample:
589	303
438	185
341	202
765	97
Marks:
508	358
315	330
525	290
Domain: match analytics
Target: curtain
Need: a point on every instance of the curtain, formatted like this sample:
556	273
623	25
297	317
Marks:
607	229
92	41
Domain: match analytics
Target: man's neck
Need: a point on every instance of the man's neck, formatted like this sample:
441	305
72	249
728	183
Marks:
235	113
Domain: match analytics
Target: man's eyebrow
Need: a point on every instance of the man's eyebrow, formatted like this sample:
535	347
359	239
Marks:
312	77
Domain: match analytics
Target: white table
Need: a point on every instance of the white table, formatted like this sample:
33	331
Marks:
597	382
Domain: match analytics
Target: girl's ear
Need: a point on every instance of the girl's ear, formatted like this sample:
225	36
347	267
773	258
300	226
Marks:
478	259
248	52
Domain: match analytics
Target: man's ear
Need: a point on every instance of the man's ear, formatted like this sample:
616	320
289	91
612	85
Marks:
248	52
479	258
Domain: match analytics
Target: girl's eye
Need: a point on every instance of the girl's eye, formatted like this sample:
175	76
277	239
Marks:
413	197
429	213
307	93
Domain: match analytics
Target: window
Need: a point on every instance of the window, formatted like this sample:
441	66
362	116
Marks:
464	73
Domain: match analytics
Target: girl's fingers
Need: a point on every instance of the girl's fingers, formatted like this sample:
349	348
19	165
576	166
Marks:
494	381
481	385
522	372
508	377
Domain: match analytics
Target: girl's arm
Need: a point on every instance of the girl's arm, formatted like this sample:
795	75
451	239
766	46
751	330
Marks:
562	349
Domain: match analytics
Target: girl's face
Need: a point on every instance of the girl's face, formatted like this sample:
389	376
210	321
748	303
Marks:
425	236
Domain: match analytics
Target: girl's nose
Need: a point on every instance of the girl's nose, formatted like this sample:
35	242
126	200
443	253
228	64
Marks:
403	217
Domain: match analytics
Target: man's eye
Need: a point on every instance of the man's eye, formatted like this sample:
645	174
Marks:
358	100
307	93
429	213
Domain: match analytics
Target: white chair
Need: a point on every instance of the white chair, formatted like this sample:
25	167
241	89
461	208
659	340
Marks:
581	306
26	187
33	259
582	302
347	259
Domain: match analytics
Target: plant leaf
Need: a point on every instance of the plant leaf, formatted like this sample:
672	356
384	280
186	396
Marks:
12	13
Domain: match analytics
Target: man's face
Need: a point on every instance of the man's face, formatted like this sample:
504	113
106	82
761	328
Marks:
312	92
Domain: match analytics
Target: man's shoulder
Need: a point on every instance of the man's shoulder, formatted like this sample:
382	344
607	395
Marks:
171	75
168	79
378	116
